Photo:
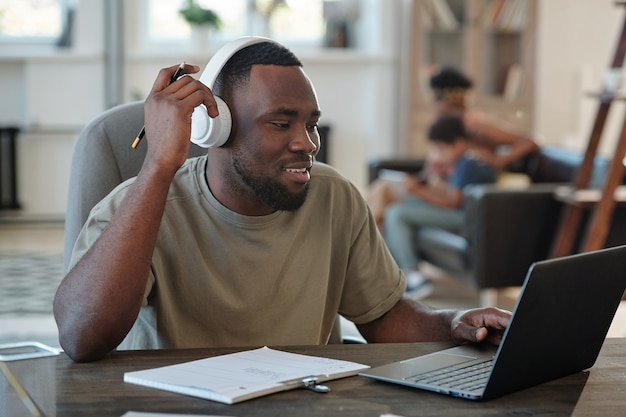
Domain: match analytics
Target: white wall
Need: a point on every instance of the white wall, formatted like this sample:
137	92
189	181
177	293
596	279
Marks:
576	41
50	94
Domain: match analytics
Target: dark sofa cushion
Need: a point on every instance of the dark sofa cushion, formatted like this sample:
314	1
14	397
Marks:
558	165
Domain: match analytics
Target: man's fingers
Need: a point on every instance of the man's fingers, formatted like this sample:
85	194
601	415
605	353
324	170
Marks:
482	325
466	333
164	77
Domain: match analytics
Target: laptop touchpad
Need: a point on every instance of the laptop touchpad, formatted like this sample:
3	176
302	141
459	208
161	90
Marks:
435	361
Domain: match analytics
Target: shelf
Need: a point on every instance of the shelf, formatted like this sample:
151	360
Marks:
46	52
499	57
586	197
477	41
606	96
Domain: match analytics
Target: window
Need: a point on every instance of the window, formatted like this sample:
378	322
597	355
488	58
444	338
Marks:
31	20
285	20
166	24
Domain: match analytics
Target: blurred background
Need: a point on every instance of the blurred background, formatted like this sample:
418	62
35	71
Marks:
62	62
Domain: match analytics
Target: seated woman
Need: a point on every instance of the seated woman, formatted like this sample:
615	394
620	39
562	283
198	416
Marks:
496	145
455	162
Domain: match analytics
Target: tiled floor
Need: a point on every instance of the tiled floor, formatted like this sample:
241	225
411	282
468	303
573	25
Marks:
29	281
47	238
41	238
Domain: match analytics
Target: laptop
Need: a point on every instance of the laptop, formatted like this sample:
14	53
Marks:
558	326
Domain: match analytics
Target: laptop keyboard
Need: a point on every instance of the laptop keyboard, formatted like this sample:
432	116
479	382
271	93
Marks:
460	377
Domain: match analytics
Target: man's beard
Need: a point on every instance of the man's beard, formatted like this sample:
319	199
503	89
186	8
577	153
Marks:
269	190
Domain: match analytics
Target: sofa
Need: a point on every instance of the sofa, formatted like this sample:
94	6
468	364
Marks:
506	228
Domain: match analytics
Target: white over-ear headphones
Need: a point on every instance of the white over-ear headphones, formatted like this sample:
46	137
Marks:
205	131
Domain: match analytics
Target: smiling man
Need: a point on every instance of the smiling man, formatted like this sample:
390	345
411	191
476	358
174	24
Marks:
286	113
252	244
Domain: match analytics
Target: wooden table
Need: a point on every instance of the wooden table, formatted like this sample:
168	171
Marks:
98	389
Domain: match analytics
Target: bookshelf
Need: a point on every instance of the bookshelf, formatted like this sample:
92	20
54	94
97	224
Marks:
492	41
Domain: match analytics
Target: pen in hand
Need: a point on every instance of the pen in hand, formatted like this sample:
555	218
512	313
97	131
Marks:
178	73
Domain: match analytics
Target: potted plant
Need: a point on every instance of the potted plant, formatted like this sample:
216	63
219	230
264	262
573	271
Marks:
201	20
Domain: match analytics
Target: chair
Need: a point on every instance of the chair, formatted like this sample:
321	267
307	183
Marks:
102	159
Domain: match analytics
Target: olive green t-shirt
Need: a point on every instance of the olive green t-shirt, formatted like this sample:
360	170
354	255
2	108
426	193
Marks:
219	278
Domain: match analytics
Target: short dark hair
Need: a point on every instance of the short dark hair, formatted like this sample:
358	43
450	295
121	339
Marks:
446	129
236	71
450	78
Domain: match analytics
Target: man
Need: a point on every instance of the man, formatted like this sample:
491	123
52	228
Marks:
452	159
252	244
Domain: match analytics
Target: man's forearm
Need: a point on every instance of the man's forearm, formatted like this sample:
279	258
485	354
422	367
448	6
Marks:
410	321
99	300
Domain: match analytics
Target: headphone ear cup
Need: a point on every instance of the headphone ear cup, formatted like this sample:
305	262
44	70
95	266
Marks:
208	132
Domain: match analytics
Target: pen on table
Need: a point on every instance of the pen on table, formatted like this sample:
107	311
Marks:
178	73
310	383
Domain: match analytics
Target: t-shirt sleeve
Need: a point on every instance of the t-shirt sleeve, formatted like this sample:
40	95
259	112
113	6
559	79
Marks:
374	283
471	171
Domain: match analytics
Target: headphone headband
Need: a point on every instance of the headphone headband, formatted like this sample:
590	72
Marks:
221	57
207	132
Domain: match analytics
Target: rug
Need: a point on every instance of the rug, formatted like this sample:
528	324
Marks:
28	282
